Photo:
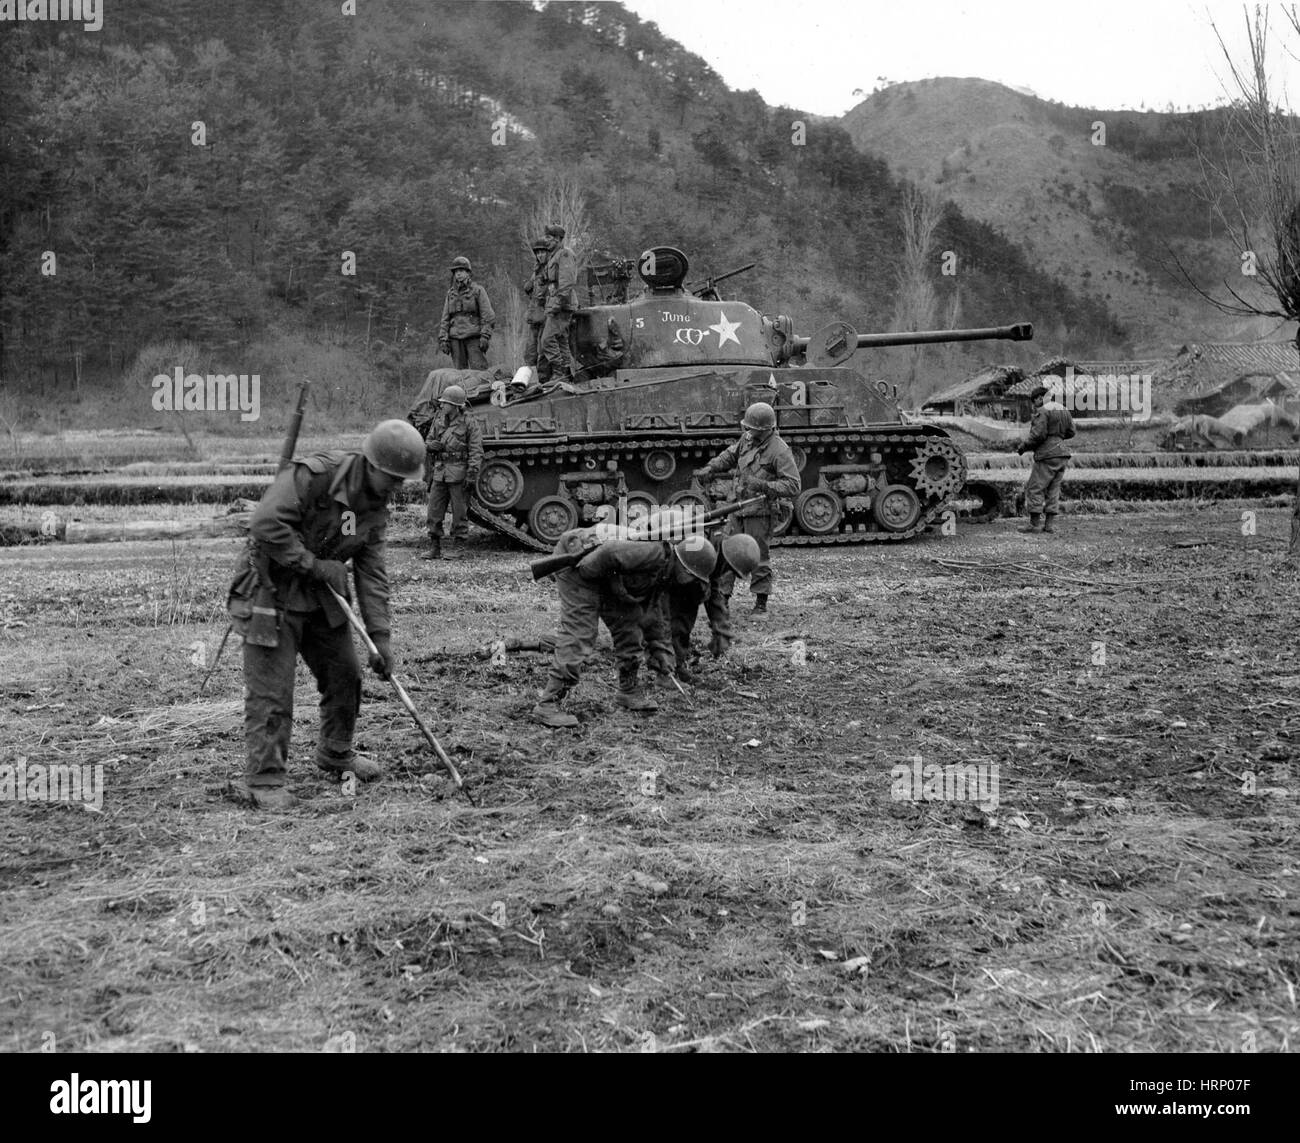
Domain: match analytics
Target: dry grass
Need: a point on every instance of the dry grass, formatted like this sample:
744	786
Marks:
1125	894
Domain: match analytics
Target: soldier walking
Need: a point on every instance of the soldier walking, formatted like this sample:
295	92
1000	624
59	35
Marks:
765	467
617	583
467	319
536	311
1050	427
319	513
454	442
681	602
561	275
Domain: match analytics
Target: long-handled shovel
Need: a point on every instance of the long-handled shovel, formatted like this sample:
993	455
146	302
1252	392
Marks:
447	763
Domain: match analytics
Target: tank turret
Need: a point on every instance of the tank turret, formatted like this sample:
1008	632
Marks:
661	384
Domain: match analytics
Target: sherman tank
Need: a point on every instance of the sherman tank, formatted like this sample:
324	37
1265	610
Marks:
665	378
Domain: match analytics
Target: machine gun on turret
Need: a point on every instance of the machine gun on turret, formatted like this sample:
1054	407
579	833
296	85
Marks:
707	288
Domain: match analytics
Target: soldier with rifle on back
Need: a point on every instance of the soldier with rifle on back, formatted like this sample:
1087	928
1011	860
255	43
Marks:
318	514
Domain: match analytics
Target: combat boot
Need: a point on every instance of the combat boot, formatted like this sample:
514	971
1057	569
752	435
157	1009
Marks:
435	549
548	712
1035	523
274	798
1047	522
631	696
360	766
760	607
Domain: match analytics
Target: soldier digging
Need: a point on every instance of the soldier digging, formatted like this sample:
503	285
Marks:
618	583
319	513
467	319
764	467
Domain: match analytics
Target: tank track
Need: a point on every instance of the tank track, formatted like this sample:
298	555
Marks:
808	439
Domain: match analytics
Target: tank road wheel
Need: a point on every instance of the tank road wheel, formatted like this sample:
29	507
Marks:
639	506
551	517
897	508
659	464
818	511
800	456
937	470
500	485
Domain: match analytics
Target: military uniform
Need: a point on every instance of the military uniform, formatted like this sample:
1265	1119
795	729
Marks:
536	316
1050	427
317	509
680	604
561	276
616	583
466	326
454	463
767	469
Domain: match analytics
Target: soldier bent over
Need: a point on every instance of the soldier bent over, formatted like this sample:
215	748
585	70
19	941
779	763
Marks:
681	601
455	447
318	514
1051	425
764	467
617	583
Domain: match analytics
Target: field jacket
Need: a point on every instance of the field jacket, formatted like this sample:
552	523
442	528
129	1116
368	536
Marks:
767	470
536	290
467	312
561	273
319	508
461	437
1050	427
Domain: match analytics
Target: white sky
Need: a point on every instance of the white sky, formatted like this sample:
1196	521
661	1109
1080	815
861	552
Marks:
1104	54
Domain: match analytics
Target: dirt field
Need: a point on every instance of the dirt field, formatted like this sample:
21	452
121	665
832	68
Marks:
732	875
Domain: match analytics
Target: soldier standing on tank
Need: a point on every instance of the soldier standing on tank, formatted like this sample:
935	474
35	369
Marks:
764	467
467	319
536	313
455	447
1050	427
681	602
561	275
319	513
617	582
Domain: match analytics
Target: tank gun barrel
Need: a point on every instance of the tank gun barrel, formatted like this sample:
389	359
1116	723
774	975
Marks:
1020	331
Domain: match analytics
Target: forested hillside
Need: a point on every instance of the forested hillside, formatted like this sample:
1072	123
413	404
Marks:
198	170
1113	204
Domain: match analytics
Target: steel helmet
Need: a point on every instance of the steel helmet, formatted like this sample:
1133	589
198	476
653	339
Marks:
759	415
697	556
741	552
540	244
453	395
396	448
461	263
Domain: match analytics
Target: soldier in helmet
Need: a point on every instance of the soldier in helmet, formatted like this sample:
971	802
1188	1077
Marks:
561	275
765	467
1050	428
319	513
536	291
618	583
681	601
467	319
455	447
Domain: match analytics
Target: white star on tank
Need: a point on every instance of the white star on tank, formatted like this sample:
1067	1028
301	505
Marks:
726	331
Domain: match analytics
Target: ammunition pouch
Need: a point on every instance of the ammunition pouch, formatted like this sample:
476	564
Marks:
252	604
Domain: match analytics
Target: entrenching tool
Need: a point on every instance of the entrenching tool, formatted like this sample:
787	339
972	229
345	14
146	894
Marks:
447	763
